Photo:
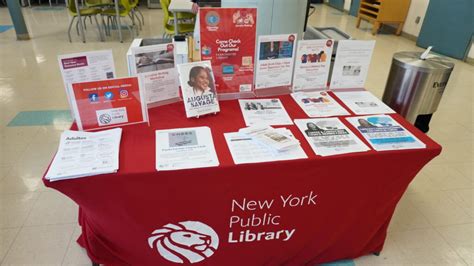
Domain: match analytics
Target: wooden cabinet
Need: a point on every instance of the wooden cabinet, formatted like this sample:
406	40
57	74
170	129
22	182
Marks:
378	12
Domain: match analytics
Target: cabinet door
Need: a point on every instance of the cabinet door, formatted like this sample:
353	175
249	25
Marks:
338	4
354	10
448	27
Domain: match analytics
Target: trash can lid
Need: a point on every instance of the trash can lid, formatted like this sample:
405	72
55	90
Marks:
413	60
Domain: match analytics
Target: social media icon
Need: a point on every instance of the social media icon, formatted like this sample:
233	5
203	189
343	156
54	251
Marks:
123	93
93	97
109	95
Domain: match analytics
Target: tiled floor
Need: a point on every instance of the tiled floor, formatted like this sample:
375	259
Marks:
433	223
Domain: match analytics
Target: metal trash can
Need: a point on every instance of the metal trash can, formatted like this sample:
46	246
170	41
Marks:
415	85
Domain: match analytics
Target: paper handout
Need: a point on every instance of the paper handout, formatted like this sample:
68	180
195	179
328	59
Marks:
264	112
363	103
318	104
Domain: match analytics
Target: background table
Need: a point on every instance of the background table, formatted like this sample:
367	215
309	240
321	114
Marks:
356	197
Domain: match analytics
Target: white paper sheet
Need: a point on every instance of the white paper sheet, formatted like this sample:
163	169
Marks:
312	62
245	149
185	148
154	66
384	133
276	55
363	103
271	137
83	154
318	104
329	136
352	64
264	112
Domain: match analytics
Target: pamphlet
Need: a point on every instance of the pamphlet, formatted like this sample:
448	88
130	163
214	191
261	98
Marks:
185	148
154	66
384	133
198	88
245	149
329	136
313	60
271	137
264	112
108	103
228	41
276	55
83	154
318	104
363	103
352	64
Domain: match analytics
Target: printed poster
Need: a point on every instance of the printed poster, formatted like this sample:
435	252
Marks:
313	60
228	41
276	55
154	66
108	103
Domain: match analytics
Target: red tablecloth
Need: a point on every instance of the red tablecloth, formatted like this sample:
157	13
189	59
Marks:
341	205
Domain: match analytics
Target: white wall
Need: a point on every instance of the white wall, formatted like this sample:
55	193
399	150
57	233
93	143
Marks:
417	8
347	5
471	52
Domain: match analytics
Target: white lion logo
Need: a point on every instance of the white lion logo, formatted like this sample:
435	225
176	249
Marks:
185	242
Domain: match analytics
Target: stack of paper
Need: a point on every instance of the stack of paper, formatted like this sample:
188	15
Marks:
83	154
384	133
329	136
265	145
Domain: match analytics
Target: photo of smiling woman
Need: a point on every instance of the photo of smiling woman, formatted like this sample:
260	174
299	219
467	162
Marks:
201	82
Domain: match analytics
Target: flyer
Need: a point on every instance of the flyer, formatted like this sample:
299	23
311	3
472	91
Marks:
384	133
264	112
271	137
185	148
154	66
198	88
108	103
313	60
352	64
318	104
228	41
363	103
245	149
276	55
329	136
87	66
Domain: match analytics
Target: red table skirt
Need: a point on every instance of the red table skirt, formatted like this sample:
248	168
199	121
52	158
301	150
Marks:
294	212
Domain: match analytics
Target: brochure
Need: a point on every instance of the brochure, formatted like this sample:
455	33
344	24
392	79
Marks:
264	112
384	133
245	149
352	64
87	66
83	154
108	103
198	88
276	55
329	136
313	61
154	66
228	41
271	137
318	104
185	148
363	103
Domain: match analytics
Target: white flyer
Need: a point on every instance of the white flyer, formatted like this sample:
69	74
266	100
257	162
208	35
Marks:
154	66
198	88
384	133
329	136
313	60
352	64
87	66
185	148
83	154
264	112
271	137
276	55
246	149
318	104
363	103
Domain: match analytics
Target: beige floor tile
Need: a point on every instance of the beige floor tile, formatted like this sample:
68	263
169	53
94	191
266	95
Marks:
40	245
52	207
407	217
461	239
6	239
446	177
75	254
390	255
15	208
